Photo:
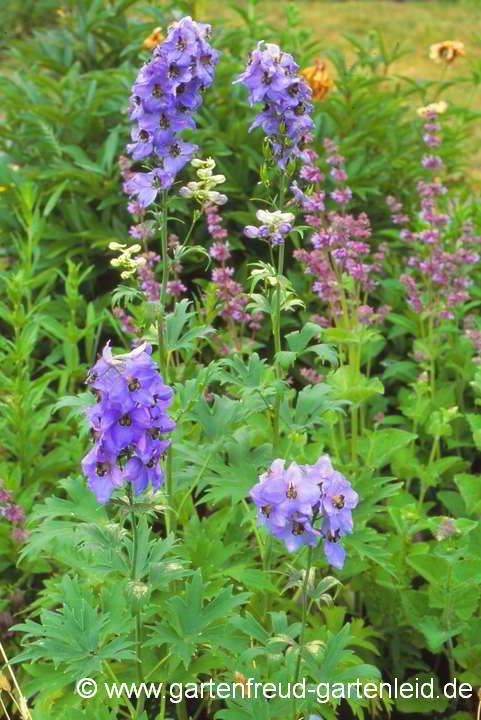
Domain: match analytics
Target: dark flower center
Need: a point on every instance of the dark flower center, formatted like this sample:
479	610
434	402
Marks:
291	491
266	78
180	44
174	70
133	384
338	501
102	468
297	528
333	537
154	433
206	60
91	378
174	150
137	100
151	463
164	121
157	91
98	396
125	420
180	89
143	135
300	109
267	510
293	89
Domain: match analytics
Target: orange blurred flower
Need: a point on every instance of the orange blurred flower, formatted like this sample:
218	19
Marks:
317	77
446	51
154	39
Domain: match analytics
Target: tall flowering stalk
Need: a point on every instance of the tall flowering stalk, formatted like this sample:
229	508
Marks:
342	263
128	423
437	279
165	95
272	77
290	502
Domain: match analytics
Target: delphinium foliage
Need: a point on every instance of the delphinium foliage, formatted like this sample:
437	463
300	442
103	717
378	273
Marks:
240	420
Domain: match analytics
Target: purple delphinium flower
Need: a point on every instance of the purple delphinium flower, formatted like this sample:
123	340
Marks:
290	500
127	423
165	95
272	77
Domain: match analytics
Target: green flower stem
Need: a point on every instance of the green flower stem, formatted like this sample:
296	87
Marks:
303	627
114	677
164	353
277	327
138	619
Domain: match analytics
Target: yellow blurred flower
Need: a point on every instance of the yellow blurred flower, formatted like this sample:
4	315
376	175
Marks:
446	51
317	77
154	39
439	108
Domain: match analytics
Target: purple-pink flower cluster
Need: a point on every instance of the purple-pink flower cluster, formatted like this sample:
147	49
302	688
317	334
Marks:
166	93
272	77
290	500
340	241
13	513
439	279
127	423
229	292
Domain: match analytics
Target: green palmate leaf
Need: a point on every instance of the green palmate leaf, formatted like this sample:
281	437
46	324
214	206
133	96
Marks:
475	425
379	446
285	358
353	387
470	489
75	635
190	619
299	340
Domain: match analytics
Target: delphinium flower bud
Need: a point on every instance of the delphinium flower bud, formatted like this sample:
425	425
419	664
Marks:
272	77
166	93
274	228
125	259
203	190
291	500
127	423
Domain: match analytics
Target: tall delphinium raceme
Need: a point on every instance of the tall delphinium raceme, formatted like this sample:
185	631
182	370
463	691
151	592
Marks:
291	501
272	78
165	95
438	279
128	424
